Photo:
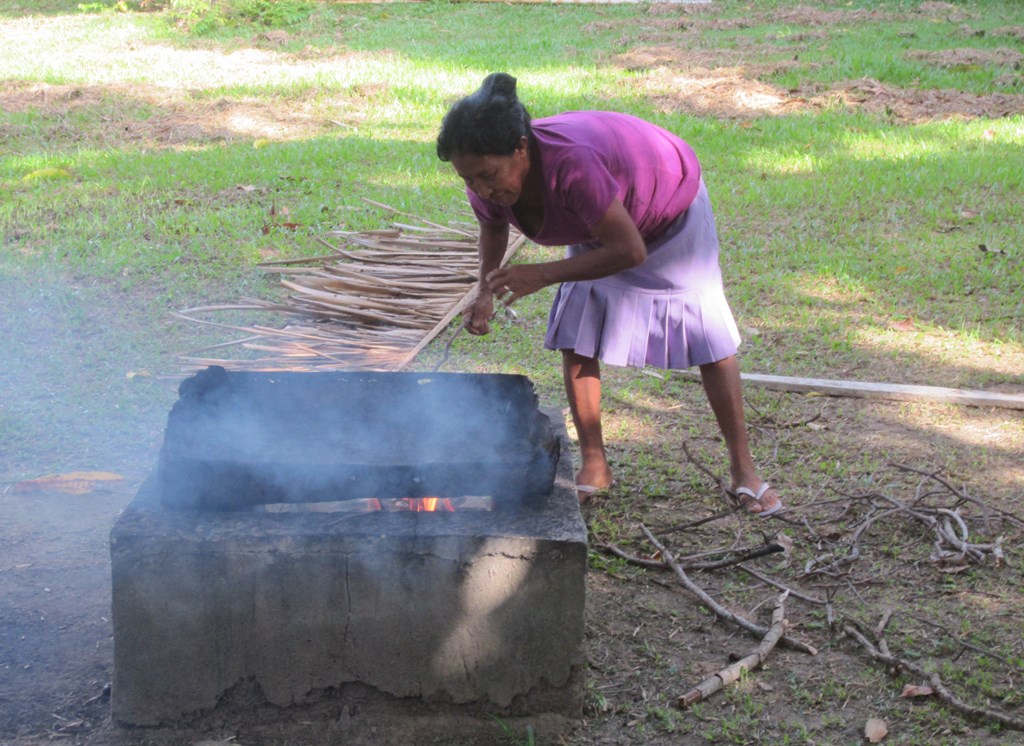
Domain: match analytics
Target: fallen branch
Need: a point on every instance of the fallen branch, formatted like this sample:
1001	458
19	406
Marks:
944	694
965	645
734	504
796	594
741	555
676	528
752	660
839	563
937	519
719	610
947	526
962	494
616	551
721	484
691	563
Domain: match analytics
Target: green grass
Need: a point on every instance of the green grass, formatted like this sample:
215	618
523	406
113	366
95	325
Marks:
140	165
845	194
167	152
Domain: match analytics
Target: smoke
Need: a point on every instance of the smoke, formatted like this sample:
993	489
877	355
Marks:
235	439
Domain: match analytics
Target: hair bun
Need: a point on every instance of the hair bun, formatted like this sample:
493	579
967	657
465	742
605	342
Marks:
499	84
489	121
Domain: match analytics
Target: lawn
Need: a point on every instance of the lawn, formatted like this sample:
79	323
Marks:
866	164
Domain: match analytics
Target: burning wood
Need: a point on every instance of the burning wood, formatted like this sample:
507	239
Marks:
387	505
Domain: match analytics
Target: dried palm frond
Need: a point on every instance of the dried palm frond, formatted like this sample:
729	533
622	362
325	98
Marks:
373	303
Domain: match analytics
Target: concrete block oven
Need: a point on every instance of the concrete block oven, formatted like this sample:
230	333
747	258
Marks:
353	553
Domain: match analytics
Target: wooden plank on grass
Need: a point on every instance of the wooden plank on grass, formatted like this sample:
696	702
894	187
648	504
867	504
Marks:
871	390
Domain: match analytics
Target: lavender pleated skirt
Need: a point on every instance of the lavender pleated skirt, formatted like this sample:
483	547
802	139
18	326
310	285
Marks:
670	312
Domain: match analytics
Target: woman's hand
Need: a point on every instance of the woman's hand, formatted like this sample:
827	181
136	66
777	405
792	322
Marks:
492	246
619	246
510	283
479	313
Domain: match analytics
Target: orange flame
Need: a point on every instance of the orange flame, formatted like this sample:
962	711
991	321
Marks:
388	504
430	504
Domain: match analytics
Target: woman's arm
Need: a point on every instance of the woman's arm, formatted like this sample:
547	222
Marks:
620	246
491	248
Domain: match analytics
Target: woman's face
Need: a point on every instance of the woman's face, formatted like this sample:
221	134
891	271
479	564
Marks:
495	178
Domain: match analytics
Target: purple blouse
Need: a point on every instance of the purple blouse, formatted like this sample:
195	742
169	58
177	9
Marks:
589	158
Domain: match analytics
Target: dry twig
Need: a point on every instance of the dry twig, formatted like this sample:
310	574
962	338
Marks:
941	691
965	645
719	610
961	494
947	526
794	593
693	563
752	660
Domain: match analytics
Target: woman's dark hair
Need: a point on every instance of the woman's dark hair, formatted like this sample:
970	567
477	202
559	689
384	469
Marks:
489	121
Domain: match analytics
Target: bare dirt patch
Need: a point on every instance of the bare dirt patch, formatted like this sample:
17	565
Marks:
722	92
736	93
913	105
164	118
1017	32
181	100
943	11
803	15
722	83
952	58
683	72
697	17
55	664
729	84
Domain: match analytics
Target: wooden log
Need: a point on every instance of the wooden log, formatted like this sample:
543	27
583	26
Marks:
874	390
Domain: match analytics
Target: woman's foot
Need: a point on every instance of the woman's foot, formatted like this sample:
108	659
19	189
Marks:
762	501
591	480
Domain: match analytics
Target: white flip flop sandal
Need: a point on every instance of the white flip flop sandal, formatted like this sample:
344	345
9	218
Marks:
756	497
588	491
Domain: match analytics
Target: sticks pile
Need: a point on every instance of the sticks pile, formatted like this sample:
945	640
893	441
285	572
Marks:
373	303
954	547
855	531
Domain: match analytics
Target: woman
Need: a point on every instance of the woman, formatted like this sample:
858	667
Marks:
640	284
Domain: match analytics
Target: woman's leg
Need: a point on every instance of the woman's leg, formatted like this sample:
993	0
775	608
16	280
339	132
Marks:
582	377
725	393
